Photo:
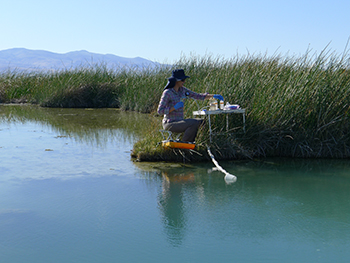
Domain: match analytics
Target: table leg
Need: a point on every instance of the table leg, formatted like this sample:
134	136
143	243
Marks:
243	122
209	128
226	122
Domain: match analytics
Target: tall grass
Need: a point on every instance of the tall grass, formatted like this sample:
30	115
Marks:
296	106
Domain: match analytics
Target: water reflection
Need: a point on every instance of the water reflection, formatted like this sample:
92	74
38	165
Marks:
187	192
93	126
272	200
48	142
171	203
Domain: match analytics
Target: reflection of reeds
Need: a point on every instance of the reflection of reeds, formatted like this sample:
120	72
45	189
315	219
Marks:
91	126
296	107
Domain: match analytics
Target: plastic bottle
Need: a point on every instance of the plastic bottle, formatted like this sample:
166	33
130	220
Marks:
212	104
222	105
216	105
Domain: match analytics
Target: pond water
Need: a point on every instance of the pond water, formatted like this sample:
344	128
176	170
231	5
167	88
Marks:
69	192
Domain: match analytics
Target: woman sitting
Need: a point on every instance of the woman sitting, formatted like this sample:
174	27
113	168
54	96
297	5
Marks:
171	106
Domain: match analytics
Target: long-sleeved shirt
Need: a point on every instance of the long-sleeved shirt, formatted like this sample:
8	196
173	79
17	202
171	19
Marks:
170	97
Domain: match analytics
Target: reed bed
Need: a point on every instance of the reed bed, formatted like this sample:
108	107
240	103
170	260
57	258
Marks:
296	106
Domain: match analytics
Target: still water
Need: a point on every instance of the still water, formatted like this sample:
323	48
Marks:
70	193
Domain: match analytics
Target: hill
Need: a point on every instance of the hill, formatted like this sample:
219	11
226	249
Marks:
33	60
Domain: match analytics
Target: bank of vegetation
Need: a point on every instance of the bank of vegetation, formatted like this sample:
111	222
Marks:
296	106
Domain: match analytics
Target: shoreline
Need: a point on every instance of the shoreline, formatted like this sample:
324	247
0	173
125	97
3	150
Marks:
226	148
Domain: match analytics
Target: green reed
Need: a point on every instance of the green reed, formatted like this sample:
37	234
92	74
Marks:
296	106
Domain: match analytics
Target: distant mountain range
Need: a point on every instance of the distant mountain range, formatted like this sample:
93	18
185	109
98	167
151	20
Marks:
36	60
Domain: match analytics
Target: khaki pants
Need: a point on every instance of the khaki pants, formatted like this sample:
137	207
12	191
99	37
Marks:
188	126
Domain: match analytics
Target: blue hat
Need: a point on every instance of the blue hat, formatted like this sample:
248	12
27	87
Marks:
178	74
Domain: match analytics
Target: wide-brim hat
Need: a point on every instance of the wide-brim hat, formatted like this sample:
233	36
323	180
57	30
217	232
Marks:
178	74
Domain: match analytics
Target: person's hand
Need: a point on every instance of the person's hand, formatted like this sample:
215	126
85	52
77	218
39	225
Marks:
178	105
218	97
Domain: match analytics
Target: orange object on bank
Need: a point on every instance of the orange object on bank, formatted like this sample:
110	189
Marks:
178	144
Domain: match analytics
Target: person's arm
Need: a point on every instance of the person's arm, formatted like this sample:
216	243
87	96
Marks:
202	96
216	96
209	96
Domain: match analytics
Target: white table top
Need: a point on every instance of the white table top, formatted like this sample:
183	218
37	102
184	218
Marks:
213	112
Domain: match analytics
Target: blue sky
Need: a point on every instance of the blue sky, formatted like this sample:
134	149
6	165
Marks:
163	31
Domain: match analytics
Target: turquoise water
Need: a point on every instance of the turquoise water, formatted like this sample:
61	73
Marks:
70	193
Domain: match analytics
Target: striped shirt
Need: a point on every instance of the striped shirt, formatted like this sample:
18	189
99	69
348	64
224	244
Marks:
170	97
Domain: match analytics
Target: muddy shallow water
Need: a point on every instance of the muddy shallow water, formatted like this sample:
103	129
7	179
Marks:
69	192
